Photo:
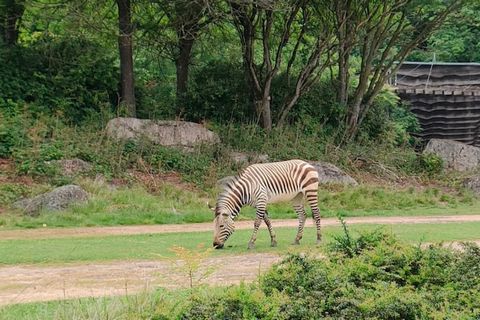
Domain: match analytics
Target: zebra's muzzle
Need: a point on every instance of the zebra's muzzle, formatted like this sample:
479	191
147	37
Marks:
218	245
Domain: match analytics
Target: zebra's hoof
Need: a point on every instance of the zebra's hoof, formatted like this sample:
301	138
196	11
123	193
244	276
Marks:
274	243
251	246
296	242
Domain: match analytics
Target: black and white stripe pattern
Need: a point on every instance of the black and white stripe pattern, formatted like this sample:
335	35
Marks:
260	184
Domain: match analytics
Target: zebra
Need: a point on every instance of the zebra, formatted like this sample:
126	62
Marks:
260	184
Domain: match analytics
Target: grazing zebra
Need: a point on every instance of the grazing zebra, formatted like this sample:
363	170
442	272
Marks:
260	184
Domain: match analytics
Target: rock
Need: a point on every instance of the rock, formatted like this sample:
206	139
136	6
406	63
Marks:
455	155
472	183
330	174
166	133
58	199
71	167
247	158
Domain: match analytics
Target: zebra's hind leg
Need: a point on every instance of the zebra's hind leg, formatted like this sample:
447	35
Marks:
300	211
273	237
312	198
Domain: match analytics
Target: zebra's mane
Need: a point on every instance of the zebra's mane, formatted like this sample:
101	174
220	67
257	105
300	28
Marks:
227	186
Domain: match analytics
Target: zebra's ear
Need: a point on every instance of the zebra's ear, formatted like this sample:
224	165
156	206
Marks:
210	207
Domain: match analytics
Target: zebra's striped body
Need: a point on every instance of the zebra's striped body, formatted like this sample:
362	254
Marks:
260	184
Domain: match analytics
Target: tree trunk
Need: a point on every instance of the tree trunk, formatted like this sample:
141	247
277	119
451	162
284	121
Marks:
10	21
182	64
264	113
125	46
352	123
342	77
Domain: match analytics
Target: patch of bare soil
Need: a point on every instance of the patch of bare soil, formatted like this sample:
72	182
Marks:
208	226
33	283
7	174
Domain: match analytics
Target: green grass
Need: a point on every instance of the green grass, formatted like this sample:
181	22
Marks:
136	306
155	246
171	204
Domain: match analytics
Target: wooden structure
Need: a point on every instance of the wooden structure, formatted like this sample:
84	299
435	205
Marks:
445	97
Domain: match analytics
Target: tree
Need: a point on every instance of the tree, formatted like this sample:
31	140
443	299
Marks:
125	46
175	26
384	32
11	12
282	29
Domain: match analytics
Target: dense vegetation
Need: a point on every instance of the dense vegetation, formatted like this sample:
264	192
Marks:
64	77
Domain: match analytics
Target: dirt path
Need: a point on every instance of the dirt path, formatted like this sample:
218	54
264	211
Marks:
32	283
199	227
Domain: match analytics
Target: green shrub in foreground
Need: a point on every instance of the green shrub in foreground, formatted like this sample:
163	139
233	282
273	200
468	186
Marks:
386	280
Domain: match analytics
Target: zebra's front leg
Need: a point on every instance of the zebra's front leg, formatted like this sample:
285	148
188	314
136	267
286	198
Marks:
300	210
256	225
273	237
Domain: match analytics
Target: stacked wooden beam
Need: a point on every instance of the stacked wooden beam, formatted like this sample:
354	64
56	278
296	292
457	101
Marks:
445	97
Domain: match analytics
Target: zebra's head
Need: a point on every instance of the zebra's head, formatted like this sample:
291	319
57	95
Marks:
223	228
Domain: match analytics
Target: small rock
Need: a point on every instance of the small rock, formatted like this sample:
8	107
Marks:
58	199
330	174
455	155
71	167
247	158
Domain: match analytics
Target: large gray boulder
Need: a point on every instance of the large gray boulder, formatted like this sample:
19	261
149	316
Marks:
58	199
71	167
472	183
166	133
331	174
455	155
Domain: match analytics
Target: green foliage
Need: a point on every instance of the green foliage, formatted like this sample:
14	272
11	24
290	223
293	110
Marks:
12	134
218	92
64	76
10	192
388	280
346	244
455	41
430	163
241	302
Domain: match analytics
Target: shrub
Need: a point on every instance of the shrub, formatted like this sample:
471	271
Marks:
64	76
430	163
386	280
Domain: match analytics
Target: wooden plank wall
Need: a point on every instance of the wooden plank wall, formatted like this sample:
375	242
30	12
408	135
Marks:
444	97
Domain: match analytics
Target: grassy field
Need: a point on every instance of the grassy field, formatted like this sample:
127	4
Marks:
171	204
155	246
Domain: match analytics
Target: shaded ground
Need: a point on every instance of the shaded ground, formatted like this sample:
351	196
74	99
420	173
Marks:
31	283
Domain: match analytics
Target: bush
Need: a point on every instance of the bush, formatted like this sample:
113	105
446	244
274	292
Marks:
430	163
386	280
218	92
241	302
63	76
